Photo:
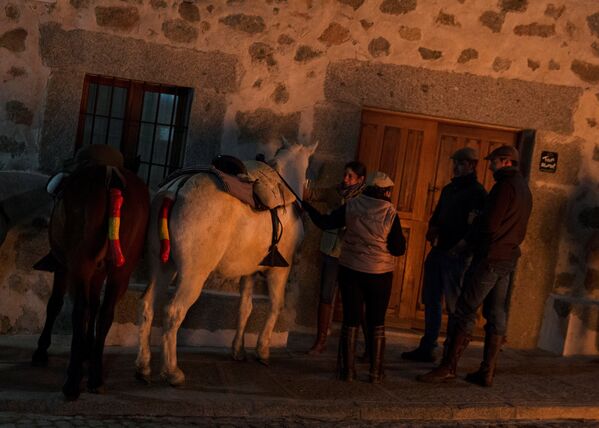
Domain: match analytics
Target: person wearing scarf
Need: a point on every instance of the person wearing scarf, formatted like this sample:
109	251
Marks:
371	242
330	246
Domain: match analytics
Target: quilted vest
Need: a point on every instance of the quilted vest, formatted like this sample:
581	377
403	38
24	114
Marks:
368	222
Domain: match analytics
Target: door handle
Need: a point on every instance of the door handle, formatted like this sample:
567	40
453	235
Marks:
429	197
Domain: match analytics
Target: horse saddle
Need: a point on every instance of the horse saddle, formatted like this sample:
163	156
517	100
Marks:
266	185
252	182
93	155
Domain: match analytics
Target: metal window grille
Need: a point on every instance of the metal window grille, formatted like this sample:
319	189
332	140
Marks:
147	122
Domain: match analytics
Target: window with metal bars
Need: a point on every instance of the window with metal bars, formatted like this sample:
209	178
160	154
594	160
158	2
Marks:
147	122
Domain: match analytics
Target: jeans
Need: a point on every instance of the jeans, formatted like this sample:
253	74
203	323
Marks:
328	279
443	275
486	283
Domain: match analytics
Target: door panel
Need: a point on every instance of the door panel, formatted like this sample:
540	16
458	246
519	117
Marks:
415	153
403	148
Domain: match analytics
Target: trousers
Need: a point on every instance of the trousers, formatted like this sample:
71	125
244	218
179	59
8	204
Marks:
368	290
443	275
486	283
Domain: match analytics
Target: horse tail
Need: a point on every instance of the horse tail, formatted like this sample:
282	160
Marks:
165	241
114	223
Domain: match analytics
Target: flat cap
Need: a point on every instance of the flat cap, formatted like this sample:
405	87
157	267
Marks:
379	179
506	152
465	153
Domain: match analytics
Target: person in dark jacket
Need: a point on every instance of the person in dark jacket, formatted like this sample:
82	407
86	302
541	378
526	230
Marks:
372	240
496	239
460	202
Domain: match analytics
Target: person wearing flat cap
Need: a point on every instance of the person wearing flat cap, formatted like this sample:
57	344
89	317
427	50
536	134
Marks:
460	202
372	240
495	241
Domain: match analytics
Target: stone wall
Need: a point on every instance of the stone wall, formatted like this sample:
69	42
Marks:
304	69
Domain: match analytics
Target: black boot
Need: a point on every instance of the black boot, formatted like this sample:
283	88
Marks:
324	321
447	369
377	353
485	374
364	358
419	354
346	357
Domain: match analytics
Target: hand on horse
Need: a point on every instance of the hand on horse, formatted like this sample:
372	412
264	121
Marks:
309	208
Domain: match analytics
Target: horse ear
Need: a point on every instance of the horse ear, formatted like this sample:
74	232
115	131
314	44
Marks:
313	147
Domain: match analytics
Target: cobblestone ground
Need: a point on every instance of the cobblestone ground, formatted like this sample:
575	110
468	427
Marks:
52	421
298	391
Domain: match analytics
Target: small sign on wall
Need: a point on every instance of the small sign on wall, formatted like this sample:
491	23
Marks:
548	162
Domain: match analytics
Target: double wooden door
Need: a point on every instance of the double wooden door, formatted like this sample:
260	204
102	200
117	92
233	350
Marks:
415	153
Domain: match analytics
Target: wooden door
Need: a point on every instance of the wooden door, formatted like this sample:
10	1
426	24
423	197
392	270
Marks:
449	139
415	153
403	148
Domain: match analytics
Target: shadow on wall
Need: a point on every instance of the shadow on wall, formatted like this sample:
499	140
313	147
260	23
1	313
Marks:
571	316
583	226
23	198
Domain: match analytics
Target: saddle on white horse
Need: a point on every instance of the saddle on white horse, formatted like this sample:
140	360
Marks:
254	183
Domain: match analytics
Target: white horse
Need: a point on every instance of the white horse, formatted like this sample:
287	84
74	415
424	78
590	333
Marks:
212	231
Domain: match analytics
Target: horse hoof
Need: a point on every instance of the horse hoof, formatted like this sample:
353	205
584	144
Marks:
71	392
239	356
39	359
263	361
97	389
175	378
142	377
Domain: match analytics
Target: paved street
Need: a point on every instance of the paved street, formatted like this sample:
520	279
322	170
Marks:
533	388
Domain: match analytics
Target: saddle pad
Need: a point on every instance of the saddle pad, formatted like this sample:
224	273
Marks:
268	185
231	184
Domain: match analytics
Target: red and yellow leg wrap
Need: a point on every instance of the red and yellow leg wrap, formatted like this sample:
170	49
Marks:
114	223
165	242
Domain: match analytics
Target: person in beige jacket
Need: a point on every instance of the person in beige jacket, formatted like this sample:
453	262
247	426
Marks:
352	184
372	240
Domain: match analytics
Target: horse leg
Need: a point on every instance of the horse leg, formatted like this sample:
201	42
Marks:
187	292
59	287
116	286
161	277
245	309
94	303
276	277
80	318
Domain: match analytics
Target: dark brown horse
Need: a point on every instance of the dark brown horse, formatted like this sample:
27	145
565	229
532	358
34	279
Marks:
80	248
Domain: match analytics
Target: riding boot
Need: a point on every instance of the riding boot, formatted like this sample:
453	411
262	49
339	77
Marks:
484	375
346	357
377	353
447	369
367	339
324	320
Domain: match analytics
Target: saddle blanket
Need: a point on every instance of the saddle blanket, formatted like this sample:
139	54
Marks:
261	187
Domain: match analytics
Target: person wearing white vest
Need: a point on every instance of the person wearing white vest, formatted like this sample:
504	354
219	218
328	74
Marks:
372	241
